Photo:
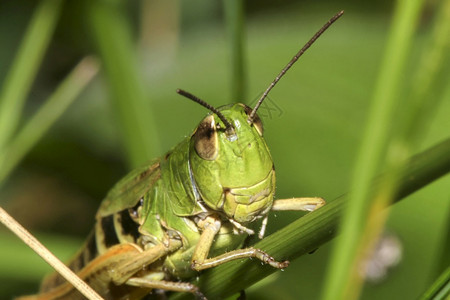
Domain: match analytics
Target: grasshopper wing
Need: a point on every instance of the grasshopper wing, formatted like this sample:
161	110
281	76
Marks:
130	189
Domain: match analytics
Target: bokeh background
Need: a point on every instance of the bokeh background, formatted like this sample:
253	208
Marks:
313	121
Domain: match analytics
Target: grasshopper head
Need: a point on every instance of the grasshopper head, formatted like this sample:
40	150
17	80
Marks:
229	159
231	166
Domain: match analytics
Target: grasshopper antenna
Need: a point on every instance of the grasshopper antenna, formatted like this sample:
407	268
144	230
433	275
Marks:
228	127
293	60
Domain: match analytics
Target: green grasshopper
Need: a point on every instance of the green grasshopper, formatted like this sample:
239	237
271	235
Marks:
187	211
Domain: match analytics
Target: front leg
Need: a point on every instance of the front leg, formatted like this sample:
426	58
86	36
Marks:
305	204
210	227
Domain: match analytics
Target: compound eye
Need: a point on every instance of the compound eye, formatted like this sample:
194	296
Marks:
256	120
206	142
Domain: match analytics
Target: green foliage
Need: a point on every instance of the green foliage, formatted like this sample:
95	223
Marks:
312	124
19	79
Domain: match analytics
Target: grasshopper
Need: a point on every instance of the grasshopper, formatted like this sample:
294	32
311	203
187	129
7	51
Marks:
187	211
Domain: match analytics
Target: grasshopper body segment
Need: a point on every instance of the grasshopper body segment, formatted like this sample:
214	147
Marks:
178	199
190	210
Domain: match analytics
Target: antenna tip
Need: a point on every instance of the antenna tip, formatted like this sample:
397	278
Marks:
337	16
184	93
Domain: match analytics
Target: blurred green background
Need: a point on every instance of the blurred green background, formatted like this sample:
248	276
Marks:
320	108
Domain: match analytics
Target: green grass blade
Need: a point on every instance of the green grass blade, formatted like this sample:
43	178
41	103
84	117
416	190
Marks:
342	281
425	90
418	108
440	289
234	16
119	56
315	229
47	115
23	71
